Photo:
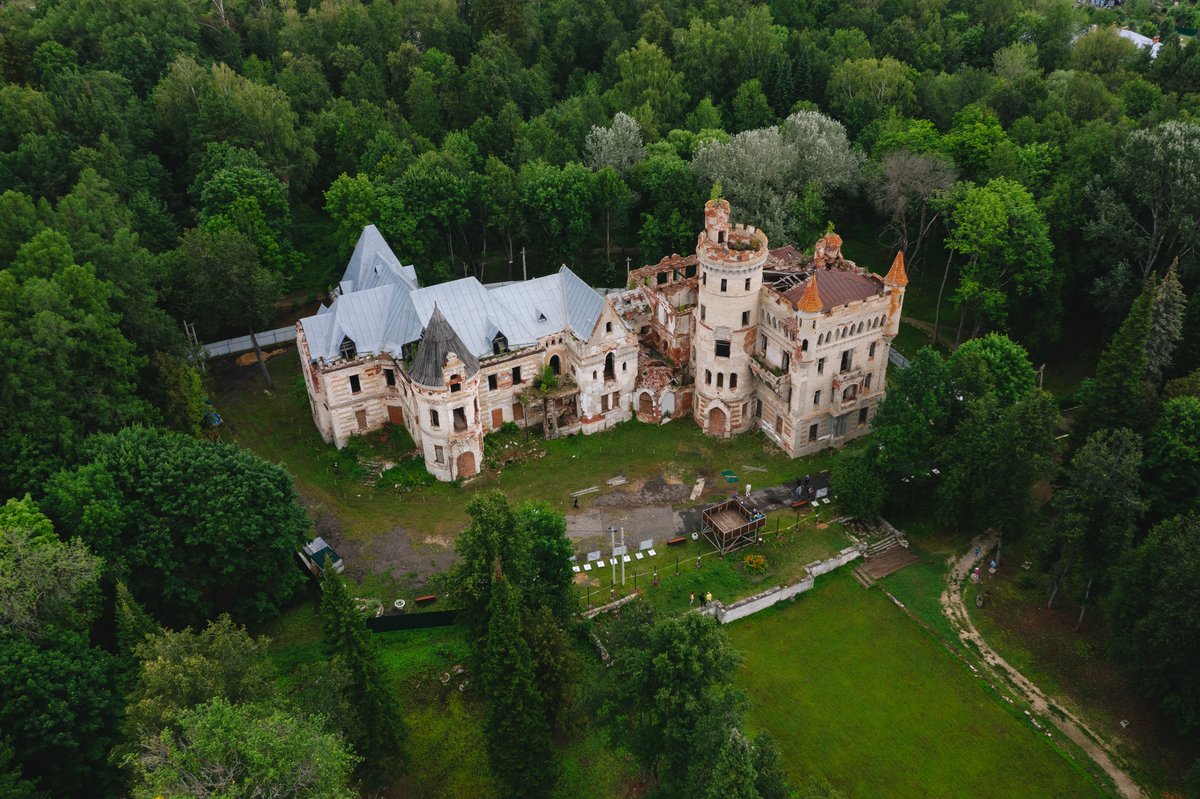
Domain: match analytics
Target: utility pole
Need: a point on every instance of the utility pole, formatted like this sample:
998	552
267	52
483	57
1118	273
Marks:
1041	374
622	557
524	276
612	536
627	260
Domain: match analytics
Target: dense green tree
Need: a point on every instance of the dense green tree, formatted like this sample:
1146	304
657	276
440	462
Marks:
618	146
194	528
376	732
771	781
674	679
13	784
61	711
1173	459
992	364
1155	598
861	489
558	203
992	461
733	773
225	749
44	582
863	89
649	88
68	371
750	107
1099	506
1114	397
1166	326
178	671
913	418
518	738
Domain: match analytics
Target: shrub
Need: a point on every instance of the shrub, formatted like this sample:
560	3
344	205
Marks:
406	475
755	564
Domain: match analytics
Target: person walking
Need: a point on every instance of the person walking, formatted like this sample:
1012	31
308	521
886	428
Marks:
691	598
707	598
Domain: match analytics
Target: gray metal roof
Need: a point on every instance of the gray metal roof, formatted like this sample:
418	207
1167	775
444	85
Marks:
381	307
437	342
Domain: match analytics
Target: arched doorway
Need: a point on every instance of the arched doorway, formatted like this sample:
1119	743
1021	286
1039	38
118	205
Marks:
610	370
555	364
716	422
465	465
645	404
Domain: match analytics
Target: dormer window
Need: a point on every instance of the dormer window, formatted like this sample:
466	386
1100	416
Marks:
499	344
347	351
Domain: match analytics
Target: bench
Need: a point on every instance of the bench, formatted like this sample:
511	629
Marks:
680	540
421	600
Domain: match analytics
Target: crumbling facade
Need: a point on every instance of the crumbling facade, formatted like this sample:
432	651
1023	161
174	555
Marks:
795	345
736	336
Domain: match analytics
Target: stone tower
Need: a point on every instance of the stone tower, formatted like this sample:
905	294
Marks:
731	259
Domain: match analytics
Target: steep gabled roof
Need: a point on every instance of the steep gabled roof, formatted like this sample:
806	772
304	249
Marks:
437	342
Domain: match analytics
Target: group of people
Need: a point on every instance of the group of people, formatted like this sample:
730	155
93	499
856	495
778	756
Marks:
705	598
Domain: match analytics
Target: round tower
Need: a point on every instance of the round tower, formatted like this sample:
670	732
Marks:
731	259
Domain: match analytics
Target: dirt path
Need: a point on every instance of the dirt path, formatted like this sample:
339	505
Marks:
944	340
1067	722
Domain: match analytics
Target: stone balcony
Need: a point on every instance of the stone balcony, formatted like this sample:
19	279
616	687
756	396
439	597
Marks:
773	377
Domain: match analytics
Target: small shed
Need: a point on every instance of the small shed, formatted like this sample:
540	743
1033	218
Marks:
732	524
317	554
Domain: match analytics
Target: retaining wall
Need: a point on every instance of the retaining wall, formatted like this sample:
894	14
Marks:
765	599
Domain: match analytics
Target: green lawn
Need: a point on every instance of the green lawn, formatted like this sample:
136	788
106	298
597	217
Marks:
787	553
279	427
856	693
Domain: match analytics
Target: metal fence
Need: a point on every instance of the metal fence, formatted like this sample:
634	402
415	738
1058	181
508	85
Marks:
896	359
268	338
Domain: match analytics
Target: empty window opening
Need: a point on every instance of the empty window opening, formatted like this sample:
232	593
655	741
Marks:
348	350
707	377
460	419
812	432
862	416
720	380
434	421
722	349
820	366
747	284
867	383
555	364
608	327
817	398
786	362
355	384
610	372
516	375
745	318
804	345
439	454
850	393
499	344
389	377
733	380
847	360
455	383
492	383
724	284
871	350
701	312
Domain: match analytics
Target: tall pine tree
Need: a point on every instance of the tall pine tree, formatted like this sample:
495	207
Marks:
518	738
377	734
1166	326
1115	397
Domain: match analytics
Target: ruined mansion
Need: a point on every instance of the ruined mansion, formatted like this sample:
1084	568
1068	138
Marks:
736	336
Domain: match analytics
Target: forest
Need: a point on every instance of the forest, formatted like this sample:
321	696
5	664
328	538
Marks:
211	162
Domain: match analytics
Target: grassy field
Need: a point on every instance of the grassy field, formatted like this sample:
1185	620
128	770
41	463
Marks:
786	552
279	427
858	694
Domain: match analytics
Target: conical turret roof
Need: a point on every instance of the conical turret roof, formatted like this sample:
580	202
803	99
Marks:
810	301
438	341
896	276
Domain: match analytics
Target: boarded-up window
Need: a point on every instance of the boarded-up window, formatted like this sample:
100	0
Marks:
361	418
604	403
518	411
439	454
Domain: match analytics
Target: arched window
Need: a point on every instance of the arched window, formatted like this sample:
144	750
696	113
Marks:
348	350
850	393
804	345
720	379
608	327
733	379
555	364
499	344
610	371
707	377
860	327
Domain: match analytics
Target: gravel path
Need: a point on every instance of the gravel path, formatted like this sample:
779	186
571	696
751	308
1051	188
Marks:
1071	725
